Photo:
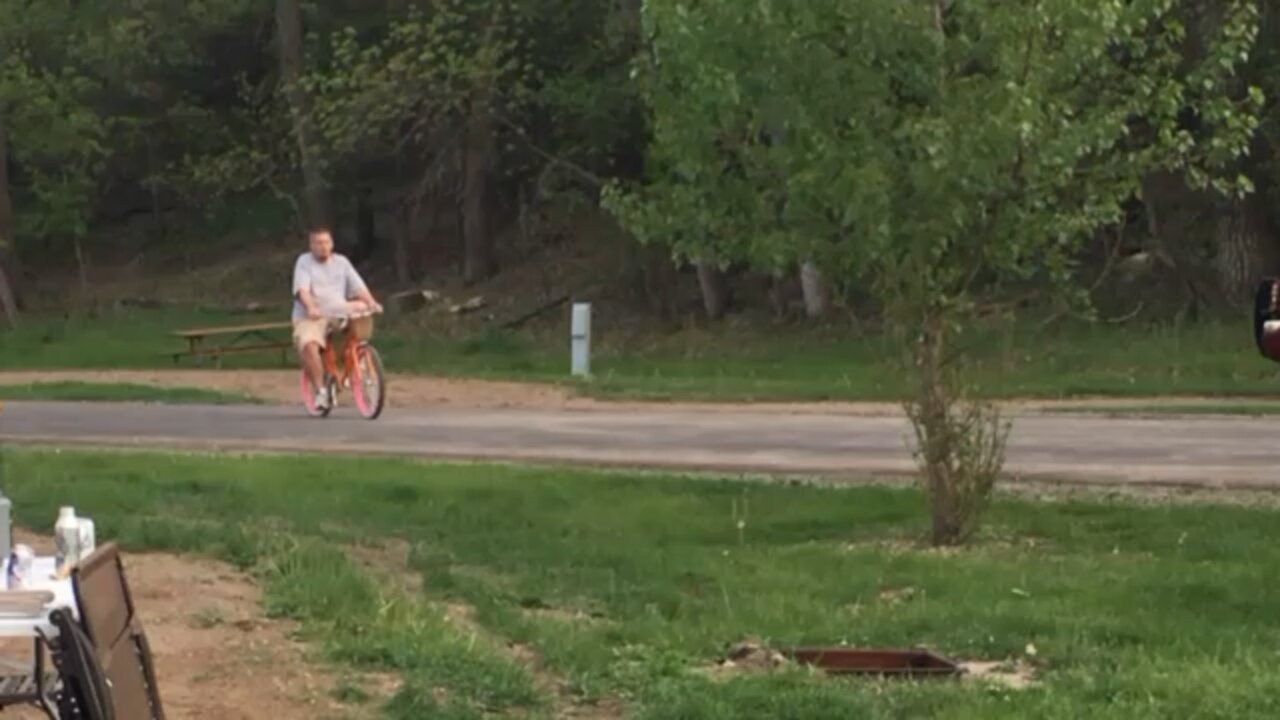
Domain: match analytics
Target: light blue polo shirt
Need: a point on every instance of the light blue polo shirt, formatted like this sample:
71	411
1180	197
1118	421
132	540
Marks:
332	284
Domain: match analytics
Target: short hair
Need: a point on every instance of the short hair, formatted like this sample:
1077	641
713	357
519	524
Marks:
318	229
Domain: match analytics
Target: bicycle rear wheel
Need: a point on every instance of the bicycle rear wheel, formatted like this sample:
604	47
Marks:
309	396
368	382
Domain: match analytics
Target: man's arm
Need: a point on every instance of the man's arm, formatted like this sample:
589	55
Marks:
369	300
302	290
357	287
309	302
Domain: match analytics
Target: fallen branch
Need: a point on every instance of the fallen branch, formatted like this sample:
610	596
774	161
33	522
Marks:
475	303
540	310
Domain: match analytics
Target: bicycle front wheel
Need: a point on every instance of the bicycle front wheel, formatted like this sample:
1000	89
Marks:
369	382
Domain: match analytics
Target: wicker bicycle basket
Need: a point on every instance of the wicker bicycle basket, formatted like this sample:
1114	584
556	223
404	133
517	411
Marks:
361	328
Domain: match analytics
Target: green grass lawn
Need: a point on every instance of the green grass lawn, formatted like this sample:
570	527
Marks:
625	585
71	390
727	362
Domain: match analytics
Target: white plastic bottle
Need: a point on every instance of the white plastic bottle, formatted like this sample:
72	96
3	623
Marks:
66	537
88	538
6	526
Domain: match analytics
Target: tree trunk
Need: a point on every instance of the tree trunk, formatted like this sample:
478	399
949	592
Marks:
817	296
6	301
1240	249
631	14
401	238
715	294
932	431
961	444
778	301
1176	234
652	275
158	229
478	262
289	35
8	293
366	244
82	266
1240	253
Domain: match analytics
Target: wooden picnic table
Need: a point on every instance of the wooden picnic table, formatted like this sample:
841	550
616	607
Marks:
242	339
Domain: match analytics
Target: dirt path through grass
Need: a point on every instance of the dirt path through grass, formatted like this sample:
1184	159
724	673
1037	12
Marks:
217	654
418	391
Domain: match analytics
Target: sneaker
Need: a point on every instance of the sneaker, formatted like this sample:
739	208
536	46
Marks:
322	399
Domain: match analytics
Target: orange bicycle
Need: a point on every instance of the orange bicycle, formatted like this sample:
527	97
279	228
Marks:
360	369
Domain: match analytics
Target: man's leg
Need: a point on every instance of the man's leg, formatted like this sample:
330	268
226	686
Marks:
312	364
309	337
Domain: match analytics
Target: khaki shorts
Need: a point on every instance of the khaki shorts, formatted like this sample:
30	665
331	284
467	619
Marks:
306	332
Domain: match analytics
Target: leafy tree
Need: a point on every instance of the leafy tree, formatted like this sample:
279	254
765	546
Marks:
8	302
946	154
427	89
91	93
55	137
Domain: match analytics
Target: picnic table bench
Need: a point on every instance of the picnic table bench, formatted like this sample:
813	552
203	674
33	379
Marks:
242	338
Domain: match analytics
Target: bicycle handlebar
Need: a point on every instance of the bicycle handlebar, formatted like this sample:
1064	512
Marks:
353	316
336	323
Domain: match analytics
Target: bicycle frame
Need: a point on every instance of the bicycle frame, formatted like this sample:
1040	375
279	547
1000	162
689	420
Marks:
341	372
350	363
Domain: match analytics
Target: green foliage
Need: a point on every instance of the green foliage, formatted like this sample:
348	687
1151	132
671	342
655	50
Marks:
591	110
1266	69
421	74
940	156
390	90
945	154
85	92
56	136
937	164
250	149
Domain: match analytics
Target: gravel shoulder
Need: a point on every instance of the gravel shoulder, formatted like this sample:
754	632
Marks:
416	391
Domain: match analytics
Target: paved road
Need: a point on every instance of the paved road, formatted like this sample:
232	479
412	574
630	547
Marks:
1232	452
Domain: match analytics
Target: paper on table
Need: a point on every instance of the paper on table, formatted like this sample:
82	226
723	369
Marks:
24	603
41	580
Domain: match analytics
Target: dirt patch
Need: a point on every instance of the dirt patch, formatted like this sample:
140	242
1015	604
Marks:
560	615
745	658
896	596
419	391
554	686
281	386
217	655
905	547
754	658
390	562
902	546
1010	675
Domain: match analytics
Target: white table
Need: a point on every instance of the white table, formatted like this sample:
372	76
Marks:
41	578
36	689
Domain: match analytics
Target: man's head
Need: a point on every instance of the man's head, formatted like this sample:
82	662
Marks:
321	243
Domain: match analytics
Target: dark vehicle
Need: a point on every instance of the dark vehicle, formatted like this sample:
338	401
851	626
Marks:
1266	319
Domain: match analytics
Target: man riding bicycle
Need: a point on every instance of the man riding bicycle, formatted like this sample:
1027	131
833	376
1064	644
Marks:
325	286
